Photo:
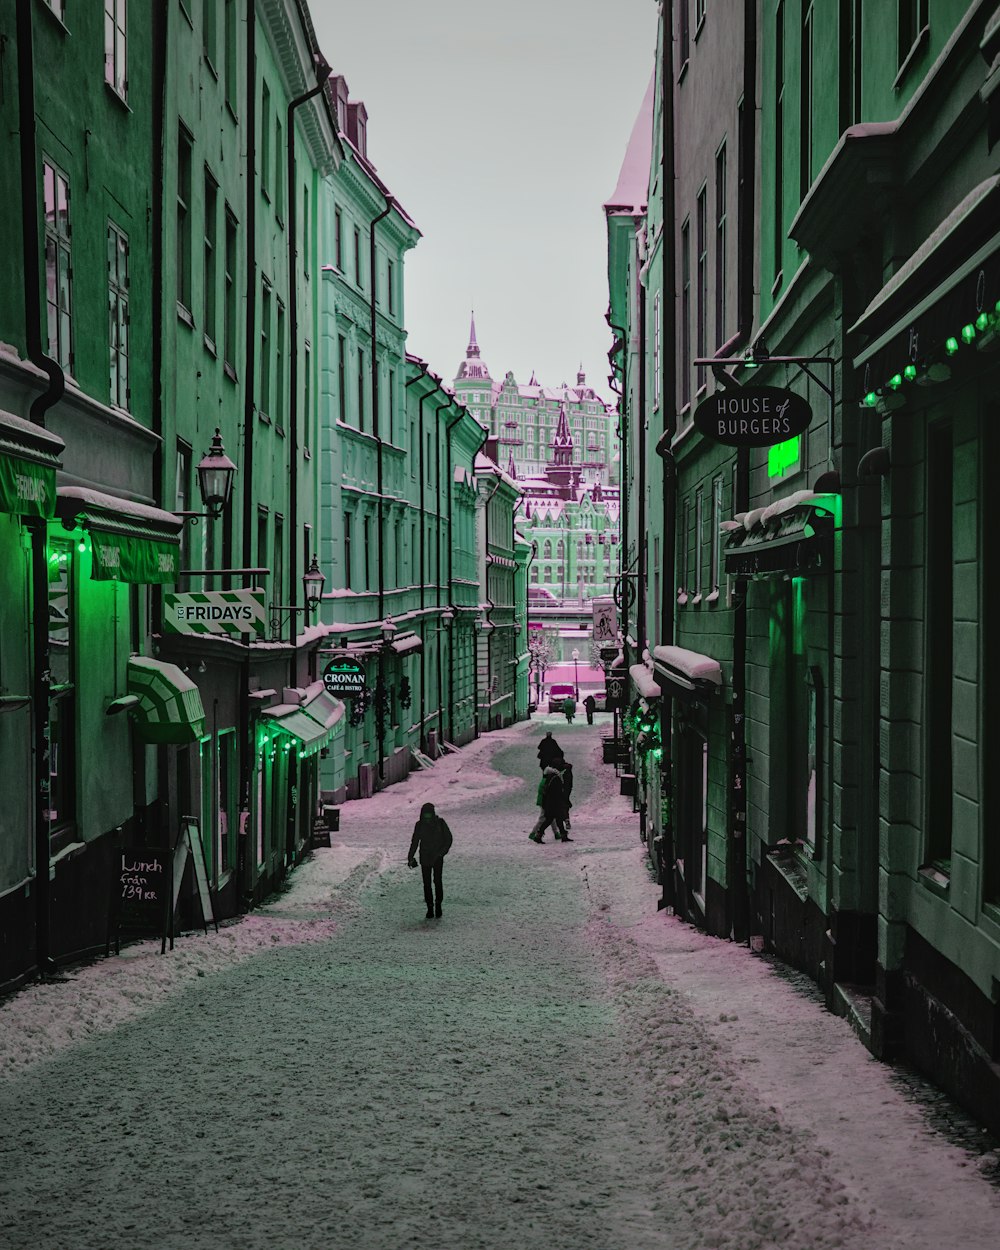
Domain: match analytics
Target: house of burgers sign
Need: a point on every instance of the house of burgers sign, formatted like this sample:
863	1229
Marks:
752	416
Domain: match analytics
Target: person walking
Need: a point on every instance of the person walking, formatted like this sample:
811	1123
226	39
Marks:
551	800
590	704
432	837
569	708
548	751
566	771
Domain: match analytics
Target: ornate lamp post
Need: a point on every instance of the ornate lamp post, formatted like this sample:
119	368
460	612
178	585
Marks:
576	672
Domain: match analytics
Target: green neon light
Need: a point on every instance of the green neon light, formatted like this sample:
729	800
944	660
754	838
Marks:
951	346
870	400
782	457
910	372
968	332
896	381
983	321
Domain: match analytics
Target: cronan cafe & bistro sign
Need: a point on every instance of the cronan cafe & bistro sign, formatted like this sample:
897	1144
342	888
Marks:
752	416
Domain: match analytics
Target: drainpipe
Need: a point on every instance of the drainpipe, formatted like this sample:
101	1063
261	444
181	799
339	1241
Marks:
423	565
37	526
486	596
640	538
244	861
291	231
619	332
377	431
459	413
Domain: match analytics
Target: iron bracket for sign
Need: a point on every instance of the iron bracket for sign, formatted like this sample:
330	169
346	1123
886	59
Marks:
759	358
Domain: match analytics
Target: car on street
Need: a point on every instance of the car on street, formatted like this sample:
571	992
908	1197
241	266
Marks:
539	597
558	693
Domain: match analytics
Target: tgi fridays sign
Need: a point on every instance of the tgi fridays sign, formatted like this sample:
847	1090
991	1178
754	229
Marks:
229	612
752	416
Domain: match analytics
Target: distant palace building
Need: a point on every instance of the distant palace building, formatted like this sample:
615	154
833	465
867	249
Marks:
561	446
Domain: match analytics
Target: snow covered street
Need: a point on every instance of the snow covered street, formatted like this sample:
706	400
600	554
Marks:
552	1064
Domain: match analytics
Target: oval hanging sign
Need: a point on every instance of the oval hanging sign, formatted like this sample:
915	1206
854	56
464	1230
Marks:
752	416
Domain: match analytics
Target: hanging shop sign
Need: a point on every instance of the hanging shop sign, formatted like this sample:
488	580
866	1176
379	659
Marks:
605	620
752	416
344	678
614	693
128	558
26	489
229	612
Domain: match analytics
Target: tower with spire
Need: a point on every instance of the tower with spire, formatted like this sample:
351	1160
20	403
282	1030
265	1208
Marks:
473	384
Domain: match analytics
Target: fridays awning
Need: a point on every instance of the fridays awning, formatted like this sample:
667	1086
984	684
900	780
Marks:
29	457
170	708
131	542
312	723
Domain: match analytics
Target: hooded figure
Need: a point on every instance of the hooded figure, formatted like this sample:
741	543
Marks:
548	751
432	837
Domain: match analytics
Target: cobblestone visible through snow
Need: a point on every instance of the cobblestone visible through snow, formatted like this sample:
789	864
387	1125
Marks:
553	1064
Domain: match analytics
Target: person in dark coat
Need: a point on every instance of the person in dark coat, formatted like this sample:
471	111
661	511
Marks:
569	708
566	771
548	751
590	703
432	837
551	799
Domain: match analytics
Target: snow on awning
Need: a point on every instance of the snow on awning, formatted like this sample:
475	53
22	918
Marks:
690	672
407	644
644	681
794	534
312	723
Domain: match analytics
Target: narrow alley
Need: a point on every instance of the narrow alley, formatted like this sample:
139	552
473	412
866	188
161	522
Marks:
551	1064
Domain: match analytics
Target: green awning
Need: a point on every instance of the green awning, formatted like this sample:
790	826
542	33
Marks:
131	542
170	709
29	457
312	723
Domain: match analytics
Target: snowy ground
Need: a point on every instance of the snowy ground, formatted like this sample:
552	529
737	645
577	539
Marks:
552	1064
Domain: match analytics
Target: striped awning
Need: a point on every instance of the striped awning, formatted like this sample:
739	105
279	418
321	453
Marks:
170	708
312	723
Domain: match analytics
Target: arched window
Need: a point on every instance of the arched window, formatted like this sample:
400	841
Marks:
547	550
560	549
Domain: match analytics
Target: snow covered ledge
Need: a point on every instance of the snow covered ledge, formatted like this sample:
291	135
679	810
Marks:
689	670
644	681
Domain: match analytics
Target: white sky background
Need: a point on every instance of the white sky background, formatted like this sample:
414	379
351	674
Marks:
500	125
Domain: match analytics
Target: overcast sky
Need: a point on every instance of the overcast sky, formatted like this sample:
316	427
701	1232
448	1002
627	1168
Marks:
500	125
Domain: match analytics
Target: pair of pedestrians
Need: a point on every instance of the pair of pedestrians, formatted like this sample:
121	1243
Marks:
554	790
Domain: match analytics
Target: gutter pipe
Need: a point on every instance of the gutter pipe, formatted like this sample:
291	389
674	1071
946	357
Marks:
377	432
37	526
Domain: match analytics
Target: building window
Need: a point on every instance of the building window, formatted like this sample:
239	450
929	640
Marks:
232	52
225	798
278	568
264	398
279	368
686	314
368	554
265	138
911	24
306	235
115	46
184	161
62	688
715	570
806	101
279	181
939	562
699	544
656	350
118	323
361	389
701	339
262	553
182	496
778	185
230	310
390	286
684	31
342	377
58	265
392	403
307	396
209	269
347	550
338	239
210	31
850	63
357	258
720	245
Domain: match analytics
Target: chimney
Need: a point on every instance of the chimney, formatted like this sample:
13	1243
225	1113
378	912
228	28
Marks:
357	126
338	86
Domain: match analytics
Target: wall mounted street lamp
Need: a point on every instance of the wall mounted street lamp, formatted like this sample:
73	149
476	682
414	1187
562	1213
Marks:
313	582
215	481
576	672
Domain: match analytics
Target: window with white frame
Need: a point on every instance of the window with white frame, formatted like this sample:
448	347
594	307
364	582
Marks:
58	265
115	46
118	315
699	546
715	572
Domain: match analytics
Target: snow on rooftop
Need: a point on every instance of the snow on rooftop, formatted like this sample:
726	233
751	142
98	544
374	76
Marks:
632	189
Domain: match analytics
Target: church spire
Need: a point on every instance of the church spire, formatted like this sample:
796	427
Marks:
473	349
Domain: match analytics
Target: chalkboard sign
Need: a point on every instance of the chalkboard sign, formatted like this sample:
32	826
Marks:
191	835
142	891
